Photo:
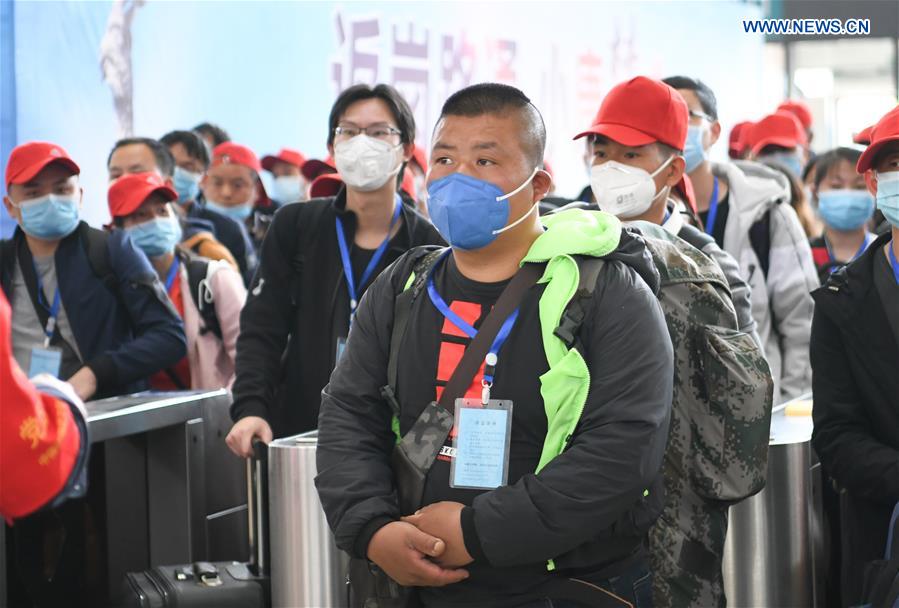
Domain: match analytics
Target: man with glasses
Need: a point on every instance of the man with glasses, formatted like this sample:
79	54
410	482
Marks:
316	263
746	207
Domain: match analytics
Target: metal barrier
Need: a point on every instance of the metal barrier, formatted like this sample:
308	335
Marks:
307	568
772	555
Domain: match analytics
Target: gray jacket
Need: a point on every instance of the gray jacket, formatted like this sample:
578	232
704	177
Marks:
781	301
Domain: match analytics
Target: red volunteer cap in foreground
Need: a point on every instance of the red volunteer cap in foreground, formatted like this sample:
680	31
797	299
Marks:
286	155
315	167
642	111
129	192
799	109
39	439
778	129
229	152
885	131
29	159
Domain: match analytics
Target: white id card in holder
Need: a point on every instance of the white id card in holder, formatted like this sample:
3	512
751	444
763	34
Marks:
483	434
46	360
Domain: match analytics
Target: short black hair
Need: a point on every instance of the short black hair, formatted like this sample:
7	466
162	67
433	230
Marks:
218	134
402	113
496	98
164	161
703	92
828	160
194	145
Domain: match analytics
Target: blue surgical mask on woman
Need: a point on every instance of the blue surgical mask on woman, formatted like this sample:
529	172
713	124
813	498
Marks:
156	237
791	160
694	153
50	217
470	212
187	184
888	196
238	213
845	209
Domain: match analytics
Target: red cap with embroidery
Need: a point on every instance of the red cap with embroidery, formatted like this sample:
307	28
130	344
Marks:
799	109
779	129
39	439
229	152
884	132
29	159
130	191
642	111
286	155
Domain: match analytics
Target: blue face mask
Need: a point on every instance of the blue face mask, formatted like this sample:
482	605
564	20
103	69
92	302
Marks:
156	237
888	196
50	217
187	184
790	160
469	212
845	209
238	213
694	153
287	189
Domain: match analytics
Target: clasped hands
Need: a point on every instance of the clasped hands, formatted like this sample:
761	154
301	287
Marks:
425	549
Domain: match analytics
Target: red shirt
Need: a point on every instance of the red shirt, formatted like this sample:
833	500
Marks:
162	380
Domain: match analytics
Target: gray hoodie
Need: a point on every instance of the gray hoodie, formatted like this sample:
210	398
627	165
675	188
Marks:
781	301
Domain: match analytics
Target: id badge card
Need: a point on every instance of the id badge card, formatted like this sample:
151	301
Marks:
483	434
341	346
47	360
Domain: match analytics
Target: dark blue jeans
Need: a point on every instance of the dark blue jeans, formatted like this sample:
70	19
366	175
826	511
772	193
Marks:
633	586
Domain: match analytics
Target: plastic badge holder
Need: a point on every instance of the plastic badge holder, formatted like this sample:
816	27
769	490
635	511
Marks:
481	444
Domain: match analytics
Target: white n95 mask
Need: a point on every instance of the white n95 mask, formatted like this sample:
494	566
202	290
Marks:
366	163
625	191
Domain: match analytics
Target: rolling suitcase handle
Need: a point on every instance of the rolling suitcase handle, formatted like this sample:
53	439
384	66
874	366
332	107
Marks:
257	509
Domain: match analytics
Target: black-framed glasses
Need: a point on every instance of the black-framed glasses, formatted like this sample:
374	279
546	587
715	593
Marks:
382	132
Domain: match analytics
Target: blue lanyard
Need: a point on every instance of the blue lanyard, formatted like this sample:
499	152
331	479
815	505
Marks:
713	209
173	272
493	355
375	259
894	263
835	264
53	309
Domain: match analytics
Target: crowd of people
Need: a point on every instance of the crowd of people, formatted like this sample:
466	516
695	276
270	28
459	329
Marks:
521	399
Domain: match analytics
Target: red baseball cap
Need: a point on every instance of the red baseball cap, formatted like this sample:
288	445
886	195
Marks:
685	188
130	191
229	152
642	111
326	184
737	141
885	131
799	109
286	155
315	167
29	159
778	129
863	137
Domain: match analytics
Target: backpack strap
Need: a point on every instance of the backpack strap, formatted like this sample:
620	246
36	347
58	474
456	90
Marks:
402	308
573	317
308	217
95	243
760	240
203	297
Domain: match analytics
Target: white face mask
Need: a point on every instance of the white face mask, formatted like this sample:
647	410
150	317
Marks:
625	191
288	189
366	163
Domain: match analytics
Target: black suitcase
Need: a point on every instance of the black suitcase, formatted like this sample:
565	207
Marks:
220	584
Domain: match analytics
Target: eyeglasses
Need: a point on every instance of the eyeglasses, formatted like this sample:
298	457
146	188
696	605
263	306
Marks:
381	132
702	115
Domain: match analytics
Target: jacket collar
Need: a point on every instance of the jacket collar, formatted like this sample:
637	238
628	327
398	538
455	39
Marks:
403	239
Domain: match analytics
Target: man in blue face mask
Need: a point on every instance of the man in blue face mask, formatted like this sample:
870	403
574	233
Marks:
470	540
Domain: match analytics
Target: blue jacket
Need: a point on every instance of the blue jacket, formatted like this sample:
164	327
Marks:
124	324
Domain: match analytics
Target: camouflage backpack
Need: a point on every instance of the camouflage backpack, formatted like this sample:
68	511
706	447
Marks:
721	414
